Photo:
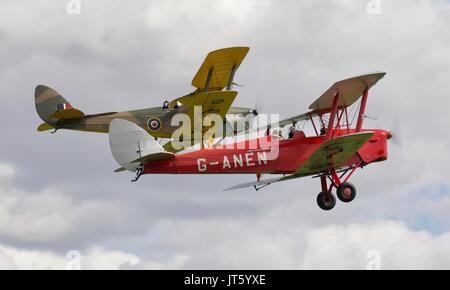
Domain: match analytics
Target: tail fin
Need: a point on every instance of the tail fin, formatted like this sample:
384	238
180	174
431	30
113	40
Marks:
131	145
52	107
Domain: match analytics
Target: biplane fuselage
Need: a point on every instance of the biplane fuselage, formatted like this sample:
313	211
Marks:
99	123
255	156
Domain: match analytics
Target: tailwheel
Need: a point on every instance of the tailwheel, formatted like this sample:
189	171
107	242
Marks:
346	192
326	201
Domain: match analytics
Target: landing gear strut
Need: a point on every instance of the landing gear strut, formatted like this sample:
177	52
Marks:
139	172
325	199
345	191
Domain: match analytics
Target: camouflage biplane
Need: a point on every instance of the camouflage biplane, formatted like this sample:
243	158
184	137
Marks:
214	94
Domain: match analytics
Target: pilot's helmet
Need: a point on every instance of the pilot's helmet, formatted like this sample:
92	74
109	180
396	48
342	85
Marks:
166	104
177	105
277	132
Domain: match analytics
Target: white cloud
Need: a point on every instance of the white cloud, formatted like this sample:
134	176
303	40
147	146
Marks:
95	258
269	244
6	263
330	247
49	214
6	171
346	247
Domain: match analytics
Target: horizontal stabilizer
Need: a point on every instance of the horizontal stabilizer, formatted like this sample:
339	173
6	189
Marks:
45	127
155	157
67	114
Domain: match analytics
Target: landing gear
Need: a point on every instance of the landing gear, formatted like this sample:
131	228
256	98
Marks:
326	201
139	172
346	192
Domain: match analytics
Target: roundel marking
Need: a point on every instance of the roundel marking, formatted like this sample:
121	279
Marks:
154	124
218	101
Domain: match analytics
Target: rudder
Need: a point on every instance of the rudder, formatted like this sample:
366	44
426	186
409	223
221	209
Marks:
52	107
132	146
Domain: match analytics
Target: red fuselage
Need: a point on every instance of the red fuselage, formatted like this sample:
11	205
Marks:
265	155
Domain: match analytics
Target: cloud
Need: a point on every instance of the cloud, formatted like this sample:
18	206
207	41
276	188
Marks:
6	262
347	247
388	244
6	171
269	245
95	258
49	215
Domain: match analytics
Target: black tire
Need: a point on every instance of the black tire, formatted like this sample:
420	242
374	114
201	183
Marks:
325	204
346	192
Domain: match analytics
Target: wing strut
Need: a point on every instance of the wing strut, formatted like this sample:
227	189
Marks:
230	82
208	79
332	116
140	169
362	110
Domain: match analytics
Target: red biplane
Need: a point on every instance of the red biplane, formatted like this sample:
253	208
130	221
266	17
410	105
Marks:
333	154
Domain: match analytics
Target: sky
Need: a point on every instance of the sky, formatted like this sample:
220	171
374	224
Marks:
61	205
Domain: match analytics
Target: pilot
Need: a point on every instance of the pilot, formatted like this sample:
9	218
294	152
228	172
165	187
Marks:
165	105
177	105
292	131
277	133
323	131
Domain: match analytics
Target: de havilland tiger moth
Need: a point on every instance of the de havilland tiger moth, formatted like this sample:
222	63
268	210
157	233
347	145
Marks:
332	154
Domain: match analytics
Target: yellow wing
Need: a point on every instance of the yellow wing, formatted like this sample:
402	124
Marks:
217	71
210	103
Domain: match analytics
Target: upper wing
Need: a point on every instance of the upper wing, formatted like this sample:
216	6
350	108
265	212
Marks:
333	153
349	91
217	71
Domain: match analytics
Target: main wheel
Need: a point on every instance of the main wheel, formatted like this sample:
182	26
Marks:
346	192
326	202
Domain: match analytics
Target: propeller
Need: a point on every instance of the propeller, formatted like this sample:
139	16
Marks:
256	108
394	132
